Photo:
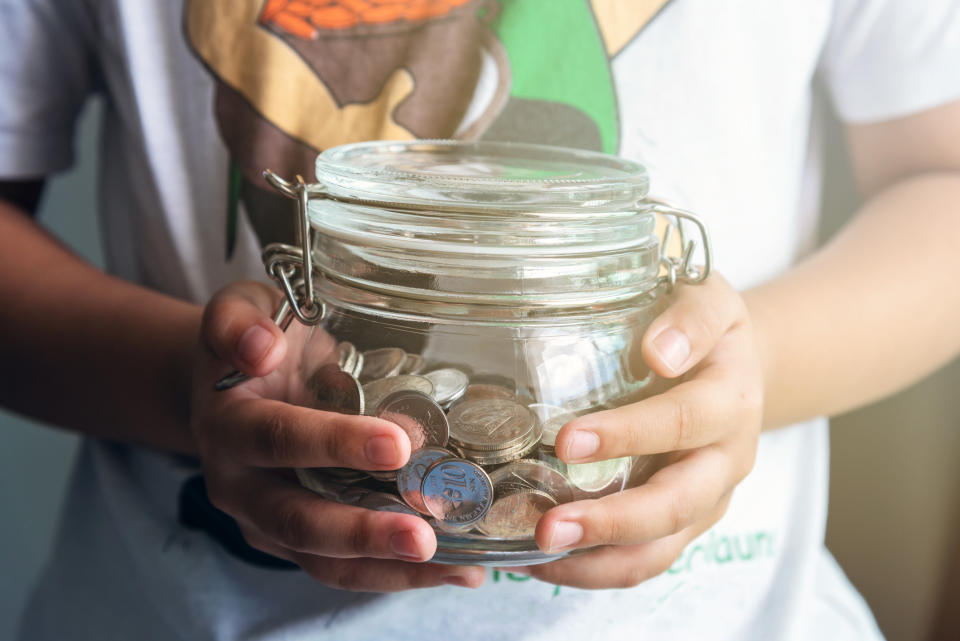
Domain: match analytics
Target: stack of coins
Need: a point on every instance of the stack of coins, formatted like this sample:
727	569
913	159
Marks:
491	432
482	460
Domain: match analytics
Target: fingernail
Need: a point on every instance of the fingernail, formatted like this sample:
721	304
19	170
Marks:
381	450
673	348
459	581
404	545
582	445
565	534
254	344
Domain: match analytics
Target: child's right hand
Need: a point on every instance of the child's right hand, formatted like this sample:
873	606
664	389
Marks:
250	437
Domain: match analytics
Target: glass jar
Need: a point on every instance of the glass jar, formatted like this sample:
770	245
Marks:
479	295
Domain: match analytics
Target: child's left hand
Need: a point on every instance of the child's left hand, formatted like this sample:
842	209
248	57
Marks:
710	423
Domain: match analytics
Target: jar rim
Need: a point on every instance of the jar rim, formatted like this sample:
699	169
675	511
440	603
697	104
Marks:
480	175
419	221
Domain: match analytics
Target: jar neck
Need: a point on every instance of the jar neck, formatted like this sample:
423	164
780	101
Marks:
483	261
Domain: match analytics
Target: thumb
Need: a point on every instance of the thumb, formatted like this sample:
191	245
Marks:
238	328
698	317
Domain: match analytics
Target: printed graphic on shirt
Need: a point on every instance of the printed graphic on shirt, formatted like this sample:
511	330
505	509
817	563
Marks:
295	77
715	550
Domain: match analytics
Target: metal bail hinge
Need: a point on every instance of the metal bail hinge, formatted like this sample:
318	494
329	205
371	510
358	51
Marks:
681	268
291	266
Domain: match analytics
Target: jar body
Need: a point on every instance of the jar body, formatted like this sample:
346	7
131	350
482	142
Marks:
554	369
480	296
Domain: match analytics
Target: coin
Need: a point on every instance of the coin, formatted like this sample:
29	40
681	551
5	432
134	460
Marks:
315	480
449	384
599	475
497	457
383	502
353	495
457	492
516	515
527	474
357	366
336	391
418	415
412	364
382	363
410	476
491	425
488	392
343	474
375	391
347	356
552	418
384	476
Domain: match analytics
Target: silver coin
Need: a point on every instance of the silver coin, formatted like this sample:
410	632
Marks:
353	495
314	479
343	475
384	476
375	391
532	441
418	415
491	425
500	456
453	447
336	391
527	474
457	492
449	384
463	531
383	502
410	476
488	392
515	515
357	366
552	418
600	476
382	363
412	364
347	356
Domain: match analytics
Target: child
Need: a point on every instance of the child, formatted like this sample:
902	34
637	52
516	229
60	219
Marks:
714	98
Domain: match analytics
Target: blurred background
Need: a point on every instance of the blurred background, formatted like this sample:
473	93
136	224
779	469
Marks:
895	483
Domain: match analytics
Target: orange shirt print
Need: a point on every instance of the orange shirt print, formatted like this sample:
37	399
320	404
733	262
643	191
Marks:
307	18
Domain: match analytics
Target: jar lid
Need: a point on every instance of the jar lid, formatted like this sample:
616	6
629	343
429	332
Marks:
480	175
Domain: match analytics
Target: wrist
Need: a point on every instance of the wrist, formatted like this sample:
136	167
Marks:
762	322
183	345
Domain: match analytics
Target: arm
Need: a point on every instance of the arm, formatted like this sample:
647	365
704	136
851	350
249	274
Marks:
877	308
59	362
868	314
114	360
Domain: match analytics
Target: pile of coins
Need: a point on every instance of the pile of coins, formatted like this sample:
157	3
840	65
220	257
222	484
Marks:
482	460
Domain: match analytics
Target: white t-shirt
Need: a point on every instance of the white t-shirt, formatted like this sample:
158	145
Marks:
715	98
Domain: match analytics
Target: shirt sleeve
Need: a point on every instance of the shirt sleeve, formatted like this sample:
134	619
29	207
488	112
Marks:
45	76
885	59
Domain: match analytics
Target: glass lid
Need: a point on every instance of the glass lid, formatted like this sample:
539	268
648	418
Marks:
480	175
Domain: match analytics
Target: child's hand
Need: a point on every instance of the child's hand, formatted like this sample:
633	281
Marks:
250	436
710	422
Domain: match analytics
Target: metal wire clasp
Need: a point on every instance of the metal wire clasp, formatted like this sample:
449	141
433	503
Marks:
291	266
681	268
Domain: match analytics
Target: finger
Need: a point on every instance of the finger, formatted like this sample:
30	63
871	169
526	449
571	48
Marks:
269	433
238	328
693	414
689	328
672	500
371	575
367	574
623	566
257	540
298	520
